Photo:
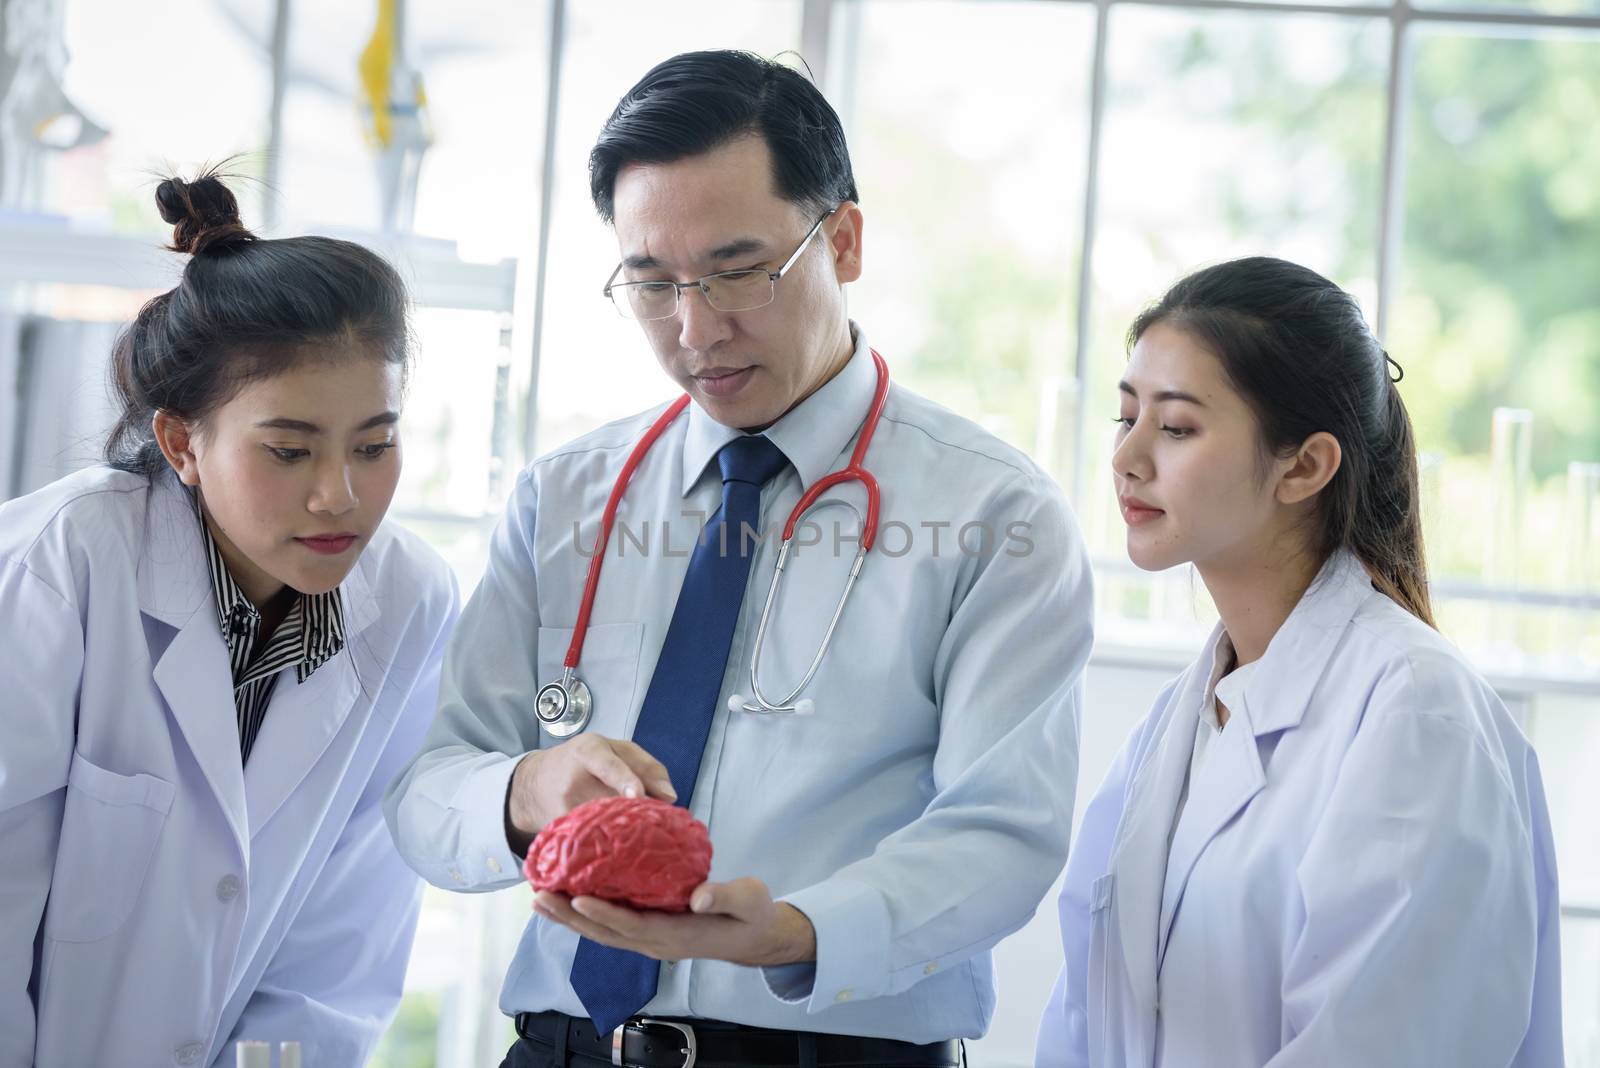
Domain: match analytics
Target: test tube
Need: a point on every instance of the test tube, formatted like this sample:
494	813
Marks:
1510	472
289	1055
1057	437
252	1055
1582	524
1430	493
1581	560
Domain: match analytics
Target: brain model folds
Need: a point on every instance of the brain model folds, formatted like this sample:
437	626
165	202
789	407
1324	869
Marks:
635	851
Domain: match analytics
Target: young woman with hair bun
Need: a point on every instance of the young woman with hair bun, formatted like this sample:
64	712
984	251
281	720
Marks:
1327	844
216	656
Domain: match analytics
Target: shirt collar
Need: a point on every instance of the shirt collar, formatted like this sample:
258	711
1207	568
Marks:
1222	657
319	617
812	435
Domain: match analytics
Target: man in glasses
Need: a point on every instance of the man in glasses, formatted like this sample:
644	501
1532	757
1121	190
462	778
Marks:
874	839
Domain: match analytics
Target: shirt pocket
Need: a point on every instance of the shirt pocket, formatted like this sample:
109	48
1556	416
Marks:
608	665
109	831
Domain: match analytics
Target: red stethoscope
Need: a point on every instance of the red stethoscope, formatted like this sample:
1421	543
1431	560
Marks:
565	706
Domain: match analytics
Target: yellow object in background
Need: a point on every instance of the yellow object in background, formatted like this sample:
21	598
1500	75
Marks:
396	121
384	81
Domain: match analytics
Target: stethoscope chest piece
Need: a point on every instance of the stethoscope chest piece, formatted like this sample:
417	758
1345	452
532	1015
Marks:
564	707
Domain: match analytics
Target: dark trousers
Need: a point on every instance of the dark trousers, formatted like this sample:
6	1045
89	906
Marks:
552	1051
527	1053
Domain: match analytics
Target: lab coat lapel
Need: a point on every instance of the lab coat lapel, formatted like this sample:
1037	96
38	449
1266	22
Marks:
303	718
1141	853
191	669
1276	699
1229	779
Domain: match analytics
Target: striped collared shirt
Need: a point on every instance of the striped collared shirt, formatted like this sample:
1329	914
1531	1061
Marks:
311	635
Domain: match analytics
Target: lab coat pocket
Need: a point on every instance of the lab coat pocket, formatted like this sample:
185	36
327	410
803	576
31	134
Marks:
609	666
109	831
1101	893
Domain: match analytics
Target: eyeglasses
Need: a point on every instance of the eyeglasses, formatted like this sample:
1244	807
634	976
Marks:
726	291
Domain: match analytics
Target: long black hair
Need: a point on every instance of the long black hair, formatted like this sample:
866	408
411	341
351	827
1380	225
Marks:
1299	352
245	309
698	101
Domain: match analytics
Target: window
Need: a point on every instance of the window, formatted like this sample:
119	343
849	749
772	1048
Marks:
1227	133
1495	310
976	269
171	103
593	365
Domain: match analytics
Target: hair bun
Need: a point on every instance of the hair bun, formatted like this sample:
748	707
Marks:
204	215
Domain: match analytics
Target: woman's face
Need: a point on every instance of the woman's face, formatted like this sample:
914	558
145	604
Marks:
296	470
1190	476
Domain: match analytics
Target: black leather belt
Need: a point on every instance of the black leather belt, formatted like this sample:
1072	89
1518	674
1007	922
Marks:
645	1042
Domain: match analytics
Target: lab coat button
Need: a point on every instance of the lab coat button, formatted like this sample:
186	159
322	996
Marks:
455	873
930	969
843	995
494	865
227	888
188	1053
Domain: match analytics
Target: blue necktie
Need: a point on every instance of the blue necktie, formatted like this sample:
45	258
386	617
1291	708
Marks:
675	719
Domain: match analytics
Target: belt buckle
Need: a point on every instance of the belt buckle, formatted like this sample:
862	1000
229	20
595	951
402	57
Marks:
691	1047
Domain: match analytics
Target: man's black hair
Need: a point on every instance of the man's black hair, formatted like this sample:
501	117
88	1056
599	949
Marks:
699	101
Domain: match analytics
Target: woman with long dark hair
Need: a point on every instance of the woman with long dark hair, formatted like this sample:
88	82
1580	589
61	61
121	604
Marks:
1327	844
215	656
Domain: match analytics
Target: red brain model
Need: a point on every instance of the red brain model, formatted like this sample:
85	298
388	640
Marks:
635	851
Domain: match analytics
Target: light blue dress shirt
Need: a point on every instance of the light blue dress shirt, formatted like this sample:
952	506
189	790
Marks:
916	817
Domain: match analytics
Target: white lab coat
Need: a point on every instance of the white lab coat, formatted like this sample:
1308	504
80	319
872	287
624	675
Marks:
1363	874
158	901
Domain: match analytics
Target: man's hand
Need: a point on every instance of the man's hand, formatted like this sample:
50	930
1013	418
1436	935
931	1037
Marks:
552	782
737	922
